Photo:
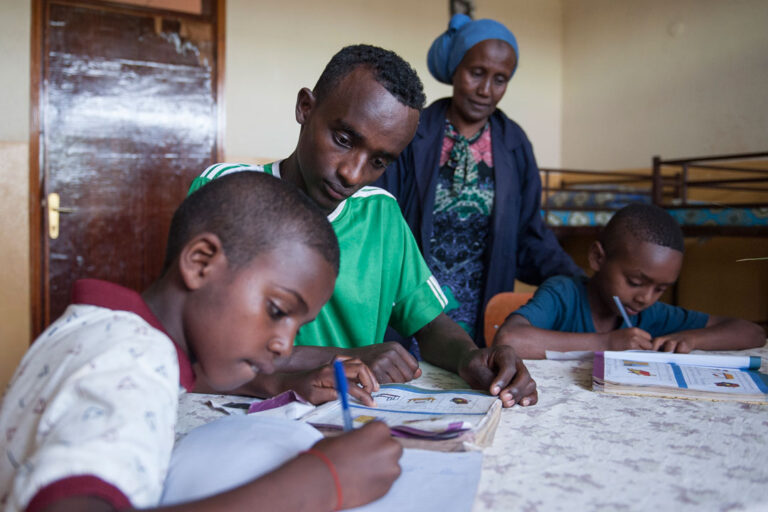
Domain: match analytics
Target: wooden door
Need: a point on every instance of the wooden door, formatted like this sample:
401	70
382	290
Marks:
125	113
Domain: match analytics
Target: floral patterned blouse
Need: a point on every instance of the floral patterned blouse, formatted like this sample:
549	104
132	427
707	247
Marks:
462	215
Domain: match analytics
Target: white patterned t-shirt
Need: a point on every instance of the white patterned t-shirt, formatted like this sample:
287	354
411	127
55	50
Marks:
91	409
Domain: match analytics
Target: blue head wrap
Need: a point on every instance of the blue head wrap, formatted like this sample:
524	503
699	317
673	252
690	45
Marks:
449	48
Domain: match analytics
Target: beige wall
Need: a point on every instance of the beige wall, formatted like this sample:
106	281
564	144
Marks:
14	239
14	189
275	48
675	78
14	78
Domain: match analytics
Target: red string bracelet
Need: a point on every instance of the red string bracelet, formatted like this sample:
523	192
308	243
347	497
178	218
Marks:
323	457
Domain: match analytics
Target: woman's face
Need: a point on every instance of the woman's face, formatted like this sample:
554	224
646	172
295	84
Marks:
480	82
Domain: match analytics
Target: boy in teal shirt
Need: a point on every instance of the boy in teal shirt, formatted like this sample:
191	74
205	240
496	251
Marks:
360	115
638	256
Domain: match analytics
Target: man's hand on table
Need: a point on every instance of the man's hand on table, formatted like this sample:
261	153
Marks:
388	361
499	370
496	369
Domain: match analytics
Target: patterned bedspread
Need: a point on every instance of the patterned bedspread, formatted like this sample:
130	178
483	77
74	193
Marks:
605	203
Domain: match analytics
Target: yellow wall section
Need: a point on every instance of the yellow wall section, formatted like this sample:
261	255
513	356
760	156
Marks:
678	79
14	239
275	48
14	188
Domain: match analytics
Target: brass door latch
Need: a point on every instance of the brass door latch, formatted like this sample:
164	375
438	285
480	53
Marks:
54	209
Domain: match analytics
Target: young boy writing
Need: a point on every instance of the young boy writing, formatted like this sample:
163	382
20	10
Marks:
88	420
638	256
360	115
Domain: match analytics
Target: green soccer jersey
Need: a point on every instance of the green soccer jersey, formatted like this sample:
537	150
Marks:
383	278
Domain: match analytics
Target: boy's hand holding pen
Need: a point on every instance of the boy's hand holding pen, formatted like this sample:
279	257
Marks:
622	311
363	463
319	385
628	337
341	390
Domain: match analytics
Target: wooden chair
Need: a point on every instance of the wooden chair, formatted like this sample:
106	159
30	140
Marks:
499	308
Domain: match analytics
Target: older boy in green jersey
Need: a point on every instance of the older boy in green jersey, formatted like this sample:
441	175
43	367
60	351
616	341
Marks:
360	115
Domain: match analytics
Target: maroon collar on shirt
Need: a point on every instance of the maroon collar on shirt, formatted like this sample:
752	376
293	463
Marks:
95	292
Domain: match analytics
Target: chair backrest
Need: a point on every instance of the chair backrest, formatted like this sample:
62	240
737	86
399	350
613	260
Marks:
499	308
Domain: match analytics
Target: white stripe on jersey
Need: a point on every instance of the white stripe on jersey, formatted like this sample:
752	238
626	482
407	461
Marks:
212	171
209	169
337	211
372	191
276	169
432	282
360	194
216	169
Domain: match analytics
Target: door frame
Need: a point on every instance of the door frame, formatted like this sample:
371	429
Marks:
38	224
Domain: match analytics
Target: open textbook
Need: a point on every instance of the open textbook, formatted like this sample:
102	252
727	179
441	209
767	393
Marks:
461	416
699	376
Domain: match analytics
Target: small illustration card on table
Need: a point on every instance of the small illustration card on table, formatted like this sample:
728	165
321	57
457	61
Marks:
691	376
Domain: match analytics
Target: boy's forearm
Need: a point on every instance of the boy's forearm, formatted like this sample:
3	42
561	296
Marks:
261	386
724	333
303	483
532	343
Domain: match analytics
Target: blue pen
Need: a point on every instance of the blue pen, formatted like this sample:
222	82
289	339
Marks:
341	389
623	311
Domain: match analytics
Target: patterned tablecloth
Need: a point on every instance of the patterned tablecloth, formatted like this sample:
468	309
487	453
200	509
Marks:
581	450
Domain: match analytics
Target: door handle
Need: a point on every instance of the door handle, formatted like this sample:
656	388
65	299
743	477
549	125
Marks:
54	209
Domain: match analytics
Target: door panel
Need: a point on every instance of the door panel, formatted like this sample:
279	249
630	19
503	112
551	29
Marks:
128	108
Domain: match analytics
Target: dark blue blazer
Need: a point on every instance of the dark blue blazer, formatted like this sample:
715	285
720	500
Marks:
520	245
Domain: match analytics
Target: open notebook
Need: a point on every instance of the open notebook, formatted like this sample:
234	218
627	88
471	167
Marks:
234	450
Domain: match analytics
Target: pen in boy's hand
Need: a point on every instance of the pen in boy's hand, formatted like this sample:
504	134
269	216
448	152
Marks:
623	311
341	389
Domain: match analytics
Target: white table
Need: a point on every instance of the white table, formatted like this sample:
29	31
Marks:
580	450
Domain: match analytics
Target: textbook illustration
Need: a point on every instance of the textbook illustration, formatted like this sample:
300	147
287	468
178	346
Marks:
696	376
418	413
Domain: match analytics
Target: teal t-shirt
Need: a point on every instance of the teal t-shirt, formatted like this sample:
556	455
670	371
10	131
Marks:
561	304
383	278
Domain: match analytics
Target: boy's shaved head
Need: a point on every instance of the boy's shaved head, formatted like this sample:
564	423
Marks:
251	212
388	68
645	223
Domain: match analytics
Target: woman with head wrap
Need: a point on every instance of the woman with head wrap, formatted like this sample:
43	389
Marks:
468	183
